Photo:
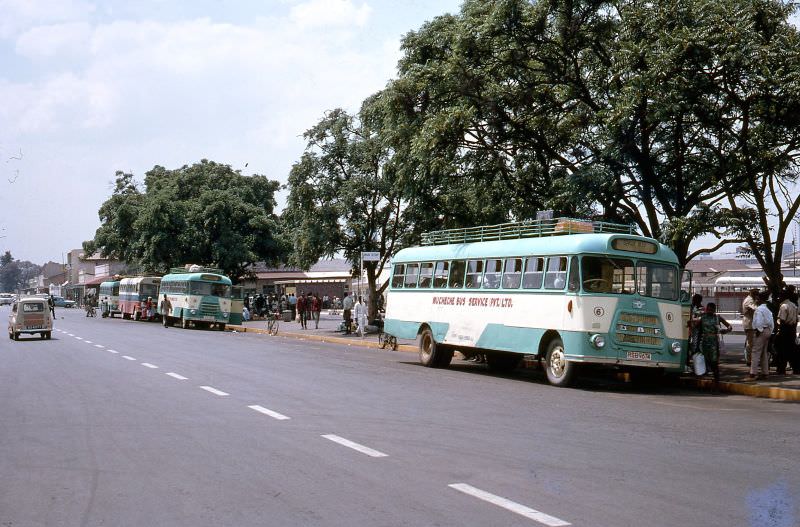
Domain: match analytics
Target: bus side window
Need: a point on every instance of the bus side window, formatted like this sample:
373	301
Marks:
574	280
534	272
512	275
457	271
425	274
412	272
399	275
491	278
440	274
556	275
474	273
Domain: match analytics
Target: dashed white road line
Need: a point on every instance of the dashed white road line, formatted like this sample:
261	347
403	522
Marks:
355	446
176	376
522	510
128	357
267	411
78	338
88	341
148	365
99	346
113	351
70	334
214	391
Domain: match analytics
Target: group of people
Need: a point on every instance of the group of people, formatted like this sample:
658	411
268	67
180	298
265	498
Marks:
765	324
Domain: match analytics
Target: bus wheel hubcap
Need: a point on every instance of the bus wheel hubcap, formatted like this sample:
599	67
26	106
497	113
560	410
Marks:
557	361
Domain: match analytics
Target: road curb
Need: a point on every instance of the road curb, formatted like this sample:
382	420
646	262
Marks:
752	390
740	388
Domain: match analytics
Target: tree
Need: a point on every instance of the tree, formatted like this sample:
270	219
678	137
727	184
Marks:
14	274
625	109
343	197
205	213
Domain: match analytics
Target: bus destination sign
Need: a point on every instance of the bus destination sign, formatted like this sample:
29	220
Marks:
209	277
634	246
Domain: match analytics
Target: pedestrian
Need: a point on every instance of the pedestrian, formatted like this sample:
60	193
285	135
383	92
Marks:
360	311
695	312
301	310
309	301
148	305
293	305
709	333
52	305
316	309
347	306
165	307
748	308
763	326
787	332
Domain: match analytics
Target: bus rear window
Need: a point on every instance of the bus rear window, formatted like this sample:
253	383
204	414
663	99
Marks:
602	274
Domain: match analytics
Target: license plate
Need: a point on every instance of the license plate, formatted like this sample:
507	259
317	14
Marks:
639	355
208	317
33	327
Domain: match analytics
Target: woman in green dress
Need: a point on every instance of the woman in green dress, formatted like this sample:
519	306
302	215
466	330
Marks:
709	331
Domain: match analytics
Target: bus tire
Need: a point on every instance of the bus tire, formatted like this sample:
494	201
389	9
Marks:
503	362
559	370
41	335
431	354
137	315
48	335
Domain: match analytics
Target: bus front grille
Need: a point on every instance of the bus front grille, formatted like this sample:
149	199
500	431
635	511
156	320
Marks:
209	309
636	318
639	339
638	328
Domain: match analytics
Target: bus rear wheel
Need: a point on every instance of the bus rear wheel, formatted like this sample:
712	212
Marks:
431	354
560	371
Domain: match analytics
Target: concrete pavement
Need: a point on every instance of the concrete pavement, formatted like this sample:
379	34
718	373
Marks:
733	370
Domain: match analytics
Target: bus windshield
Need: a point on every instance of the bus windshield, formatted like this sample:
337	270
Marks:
209	289
148	290
657	280
602	274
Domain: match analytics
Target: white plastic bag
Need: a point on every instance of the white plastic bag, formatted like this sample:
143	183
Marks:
699	362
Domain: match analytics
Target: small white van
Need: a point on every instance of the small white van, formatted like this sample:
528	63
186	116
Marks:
30	315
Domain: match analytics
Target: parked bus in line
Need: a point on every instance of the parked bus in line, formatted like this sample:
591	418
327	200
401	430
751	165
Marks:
109	298
566	292
134	292
199	297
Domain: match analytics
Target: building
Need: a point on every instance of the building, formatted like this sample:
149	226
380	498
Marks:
326	277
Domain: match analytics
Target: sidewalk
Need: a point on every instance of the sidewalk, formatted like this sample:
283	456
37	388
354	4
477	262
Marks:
733	370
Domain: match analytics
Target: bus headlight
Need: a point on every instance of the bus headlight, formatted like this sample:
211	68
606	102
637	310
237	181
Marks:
193	311
224	313
599	341
676	347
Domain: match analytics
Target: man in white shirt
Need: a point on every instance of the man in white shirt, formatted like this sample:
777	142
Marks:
763	326
787	331
360	311
347	307
748	308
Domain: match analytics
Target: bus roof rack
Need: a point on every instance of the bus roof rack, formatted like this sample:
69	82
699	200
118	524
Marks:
524	229
194	269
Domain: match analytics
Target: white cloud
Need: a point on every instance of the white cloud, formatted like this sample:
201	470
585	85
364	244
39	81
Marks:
18	15
322	13
71	38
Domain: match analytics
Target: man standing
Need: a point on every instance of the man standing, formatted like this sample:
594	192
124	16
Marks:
763	325
347	306
301	309
360	311
748	308
787	332
293	305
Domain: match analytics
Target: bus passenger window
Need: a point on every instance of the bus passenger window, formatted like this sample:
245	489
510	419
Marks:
412	272
512	275
491	279
399	275
425	274
534	272
556	275
440	274
474	273
457	271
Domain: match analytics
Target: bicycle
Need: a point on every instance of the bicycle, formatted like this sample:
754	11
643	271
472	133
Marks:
273	323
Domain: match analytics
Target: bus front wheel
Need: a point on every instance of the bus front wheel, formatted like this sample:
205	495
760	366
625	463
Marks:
431	354
559	370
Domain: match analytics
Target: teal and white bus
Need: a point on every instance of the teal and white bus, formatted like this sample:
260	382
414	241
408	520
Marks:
200	297
109	298
566	292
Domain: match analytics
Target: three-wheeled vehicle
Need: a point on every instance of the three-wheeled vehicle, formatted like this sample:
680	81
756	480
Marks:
30	315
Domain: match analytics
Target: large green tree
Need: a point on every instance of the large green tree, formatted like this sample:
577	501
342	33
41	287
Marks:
342	195
630	110
206	213
14	274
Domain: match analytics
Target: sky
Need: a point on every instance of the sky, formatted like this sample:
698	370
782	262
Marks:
89	88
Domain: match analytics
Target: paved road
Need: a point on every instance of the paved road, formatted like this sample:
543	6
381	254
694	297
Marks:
123	423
